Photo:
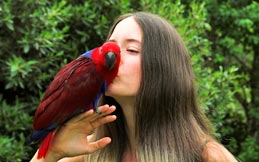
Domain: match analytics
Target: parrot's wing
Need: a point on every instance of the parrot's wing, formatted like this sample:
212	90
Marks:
57	85
73	89
62	75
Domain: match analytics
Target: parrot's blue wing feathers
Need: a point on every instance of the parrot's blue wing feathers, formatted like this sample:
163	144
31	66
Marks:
104	87
87	54
102	91
39	134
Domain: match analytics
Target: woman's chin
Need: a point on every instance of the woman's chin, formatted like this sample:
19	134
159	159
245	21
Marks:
109	91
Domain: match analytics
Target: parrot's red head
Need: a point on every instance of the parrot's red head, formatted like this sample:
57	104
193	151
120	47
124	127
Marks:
107	60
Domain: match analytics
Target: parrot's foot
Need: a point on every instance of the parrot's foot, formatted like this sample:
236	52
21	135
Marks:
97	111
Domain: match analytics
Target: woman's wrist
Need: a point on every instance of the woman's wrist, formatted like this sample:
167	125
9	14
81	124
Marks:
50	157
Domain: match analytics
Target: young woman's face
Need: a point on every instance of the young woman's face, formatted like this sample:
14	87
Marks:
128	35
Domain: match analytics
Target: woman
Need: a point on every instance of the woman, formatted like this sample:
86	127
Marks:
157	118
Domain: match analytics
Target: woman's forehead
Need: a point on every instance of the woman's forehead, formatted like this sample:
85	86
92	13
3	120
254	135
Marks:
127	28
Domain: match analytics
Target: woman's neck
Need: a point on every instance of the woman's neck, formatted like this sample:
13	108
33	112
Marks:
128	107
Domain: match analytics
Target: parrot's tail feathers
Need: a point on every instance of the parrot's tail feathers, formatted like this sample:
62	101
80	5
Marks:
38	135
45	144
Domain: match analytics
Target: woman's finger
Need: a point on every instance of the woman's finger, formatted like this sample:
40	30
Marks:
105	110
90	115
82	116
97	145
103	120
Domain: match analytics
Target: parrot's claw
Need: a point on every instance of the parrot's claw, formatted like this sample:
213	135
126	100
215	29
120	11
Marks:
97	111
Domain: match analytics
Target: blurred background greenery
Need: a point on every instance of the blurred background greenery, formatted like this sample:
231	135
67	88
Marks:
38	37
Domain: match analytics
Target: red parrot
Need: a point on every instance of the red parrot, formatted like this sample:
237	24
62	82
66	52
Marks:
76	88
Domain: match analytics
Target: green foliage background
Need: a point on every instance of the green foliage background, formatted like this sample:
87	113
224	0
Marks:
38	37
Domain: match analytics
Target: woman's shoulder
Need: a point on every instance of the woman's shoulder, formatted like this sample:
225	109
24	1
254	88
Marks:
216	152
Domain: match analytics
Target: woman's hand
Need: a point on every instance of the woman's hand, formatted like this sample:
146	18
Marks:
73	138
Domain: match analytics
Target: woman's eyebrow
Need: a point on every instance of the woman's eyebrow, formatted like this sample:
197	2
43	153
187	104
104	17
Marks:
132	40
126	40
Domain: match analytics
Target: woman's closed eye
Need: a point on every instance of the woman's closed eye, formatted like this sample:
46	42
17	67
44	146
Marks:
132	51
